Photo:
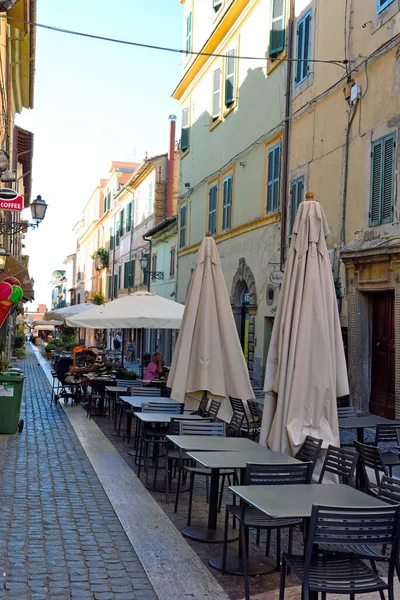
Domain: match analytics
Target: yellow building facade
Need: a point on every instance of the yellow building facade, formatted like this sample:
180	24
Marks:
233	112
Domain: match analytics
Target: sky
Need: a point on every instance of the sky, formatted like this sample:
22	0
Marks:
94	102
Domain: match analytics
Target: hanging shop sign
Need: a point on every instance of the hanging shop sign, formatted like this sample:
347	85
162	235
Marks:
276	277
10	200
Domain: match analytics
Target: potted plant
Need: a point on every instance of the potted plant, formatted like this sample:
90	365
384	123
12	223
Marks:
97	298
122	373
101	258
48	350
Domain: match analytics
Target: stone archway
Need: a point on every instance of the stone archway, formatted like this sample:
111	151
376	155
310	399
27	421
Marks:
242	281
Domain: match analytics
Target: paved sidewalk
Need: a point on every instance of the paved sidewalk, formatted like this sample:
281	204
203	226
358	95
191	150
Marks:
59	535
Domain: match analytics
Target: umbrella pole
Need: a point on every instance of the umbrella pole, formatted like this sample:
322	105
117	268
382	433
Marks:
122	350
142	344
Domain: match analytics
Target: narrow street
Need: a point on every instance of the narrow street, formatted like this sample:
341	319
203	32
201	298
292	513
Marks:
59	535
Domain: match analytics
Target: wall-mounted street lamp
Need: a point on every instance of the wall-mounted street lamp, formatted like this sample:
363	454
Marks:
145	265
3	259
38	210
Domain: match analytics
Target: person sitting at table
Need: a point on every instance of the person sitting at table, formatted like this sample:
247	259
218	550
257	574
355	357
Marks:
94	365
154	369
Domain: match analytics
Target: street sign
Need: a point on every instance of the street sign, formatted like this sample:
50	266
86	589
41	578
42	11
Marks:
10	200
276	277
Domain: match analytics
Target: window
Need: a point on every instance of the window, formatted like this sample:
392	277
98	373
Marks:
115	294
128	222
126	274
216	104
111	238
151	198
303	48
122	221
109	288
230	78
185	130
383	4
172	254
296	198
217	4
227	203
153	267
119	277
383	157
274	179
132	274
189	22
212	209
182	227
278	28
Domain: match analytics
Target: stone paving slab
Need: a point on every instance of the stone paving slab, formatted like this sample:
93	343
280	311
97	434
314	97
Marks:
59	534
174	569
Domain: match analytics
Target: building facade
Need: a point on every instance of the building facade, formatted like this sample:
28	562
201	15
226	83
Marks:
232	152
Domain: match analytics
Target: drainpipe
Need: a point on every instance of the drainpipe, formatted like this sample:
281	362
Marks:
287	134
147	239
352	114
171	168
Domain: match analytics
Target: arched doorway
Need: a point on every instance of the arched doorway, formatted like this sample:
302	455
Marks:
244	307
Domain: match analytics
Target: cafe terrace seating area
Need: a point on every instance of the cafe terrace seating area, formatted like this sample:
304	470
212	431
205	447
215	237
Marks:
337	528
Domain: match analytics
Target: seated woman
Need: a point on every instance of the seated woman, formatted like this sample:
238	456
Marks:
153	369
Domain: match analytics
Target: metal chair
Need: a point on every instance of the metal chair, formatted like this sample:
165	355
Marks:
344	412
388	434
250	517
340	462
250	427
371	458
309	451
205	429
145	391
235	425
213	411
202	410
344	574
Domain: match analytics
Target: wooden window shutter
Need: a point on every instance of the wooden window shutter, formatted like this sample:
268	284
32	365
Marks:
230	77
126	275
189	20
296	198
274	179
132	273
216	107
111	238
278	27
128	222
388	178
185	129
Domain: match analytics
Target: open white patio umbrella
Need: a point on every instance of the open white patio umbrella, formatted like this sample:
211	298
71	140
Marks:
208	357
43	324
141	310
60	314
306	369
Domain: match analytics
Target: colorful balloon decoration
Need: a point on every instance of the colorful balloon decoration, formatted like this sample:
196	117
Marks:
10	294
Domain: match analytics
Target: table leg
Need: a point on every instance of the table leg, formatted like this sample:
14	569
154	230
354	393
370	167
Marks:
362	481
212	533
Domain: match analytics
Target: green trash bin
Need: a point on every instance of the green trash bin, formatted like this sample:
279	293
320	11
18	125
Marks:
11	384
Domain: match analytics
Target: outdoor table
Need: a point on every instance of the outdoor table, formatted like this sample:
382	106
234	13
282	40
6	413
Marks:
115	390
226	460
137	401
360	423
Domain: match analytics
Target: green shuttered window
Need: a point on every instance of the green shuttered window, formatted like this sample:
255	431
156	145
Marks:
227	203
128	222
126	274
382	4
277	33
212	209
189	23
216	106
296	198
182	227
383	166
303	48
230	78
274	179
111	238
185	130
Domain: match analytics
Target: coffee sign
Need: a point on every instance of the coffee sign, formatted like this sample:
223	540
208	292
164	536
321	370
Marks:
276	277
10	200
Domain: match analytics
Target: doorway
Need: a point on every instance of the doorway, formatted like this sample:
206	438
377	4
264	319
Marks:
382	399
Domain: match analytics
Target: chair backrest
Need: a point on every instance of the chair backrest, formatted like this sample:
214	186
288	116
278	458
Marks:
386	433
340	462
346	411
389	490
371	458
201	427
353	526
162	407
254	410
310	450
398	435
235	424
129	383
259	474
214	409
145	391
203	406
237	405
175	425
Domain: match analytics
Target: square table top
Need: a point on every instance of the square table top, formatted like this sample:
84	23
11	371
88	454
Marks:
213	443
159	417
116	388
239	460
364	422
296	501
137	401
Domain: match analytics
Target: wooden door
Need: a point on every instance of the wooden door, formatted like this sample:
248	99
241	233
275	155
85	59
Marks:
383	356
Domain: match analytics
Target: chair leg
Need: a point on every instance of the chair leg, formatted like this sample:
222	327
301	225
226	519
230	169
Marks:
278	549
167	465
178	487
225	547
190	498
221	493
283	579
244	560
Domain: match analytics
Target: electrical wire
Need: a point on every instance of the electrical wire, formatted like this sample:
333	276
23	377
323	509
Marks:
339	63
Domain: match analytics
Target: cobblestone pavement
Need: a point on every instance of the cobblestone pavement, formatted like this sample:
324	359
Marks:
59	535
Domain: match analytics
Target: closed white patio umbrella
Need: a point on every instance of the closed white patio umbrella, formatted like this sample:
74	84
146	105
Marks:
208	356
141	310
306	368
